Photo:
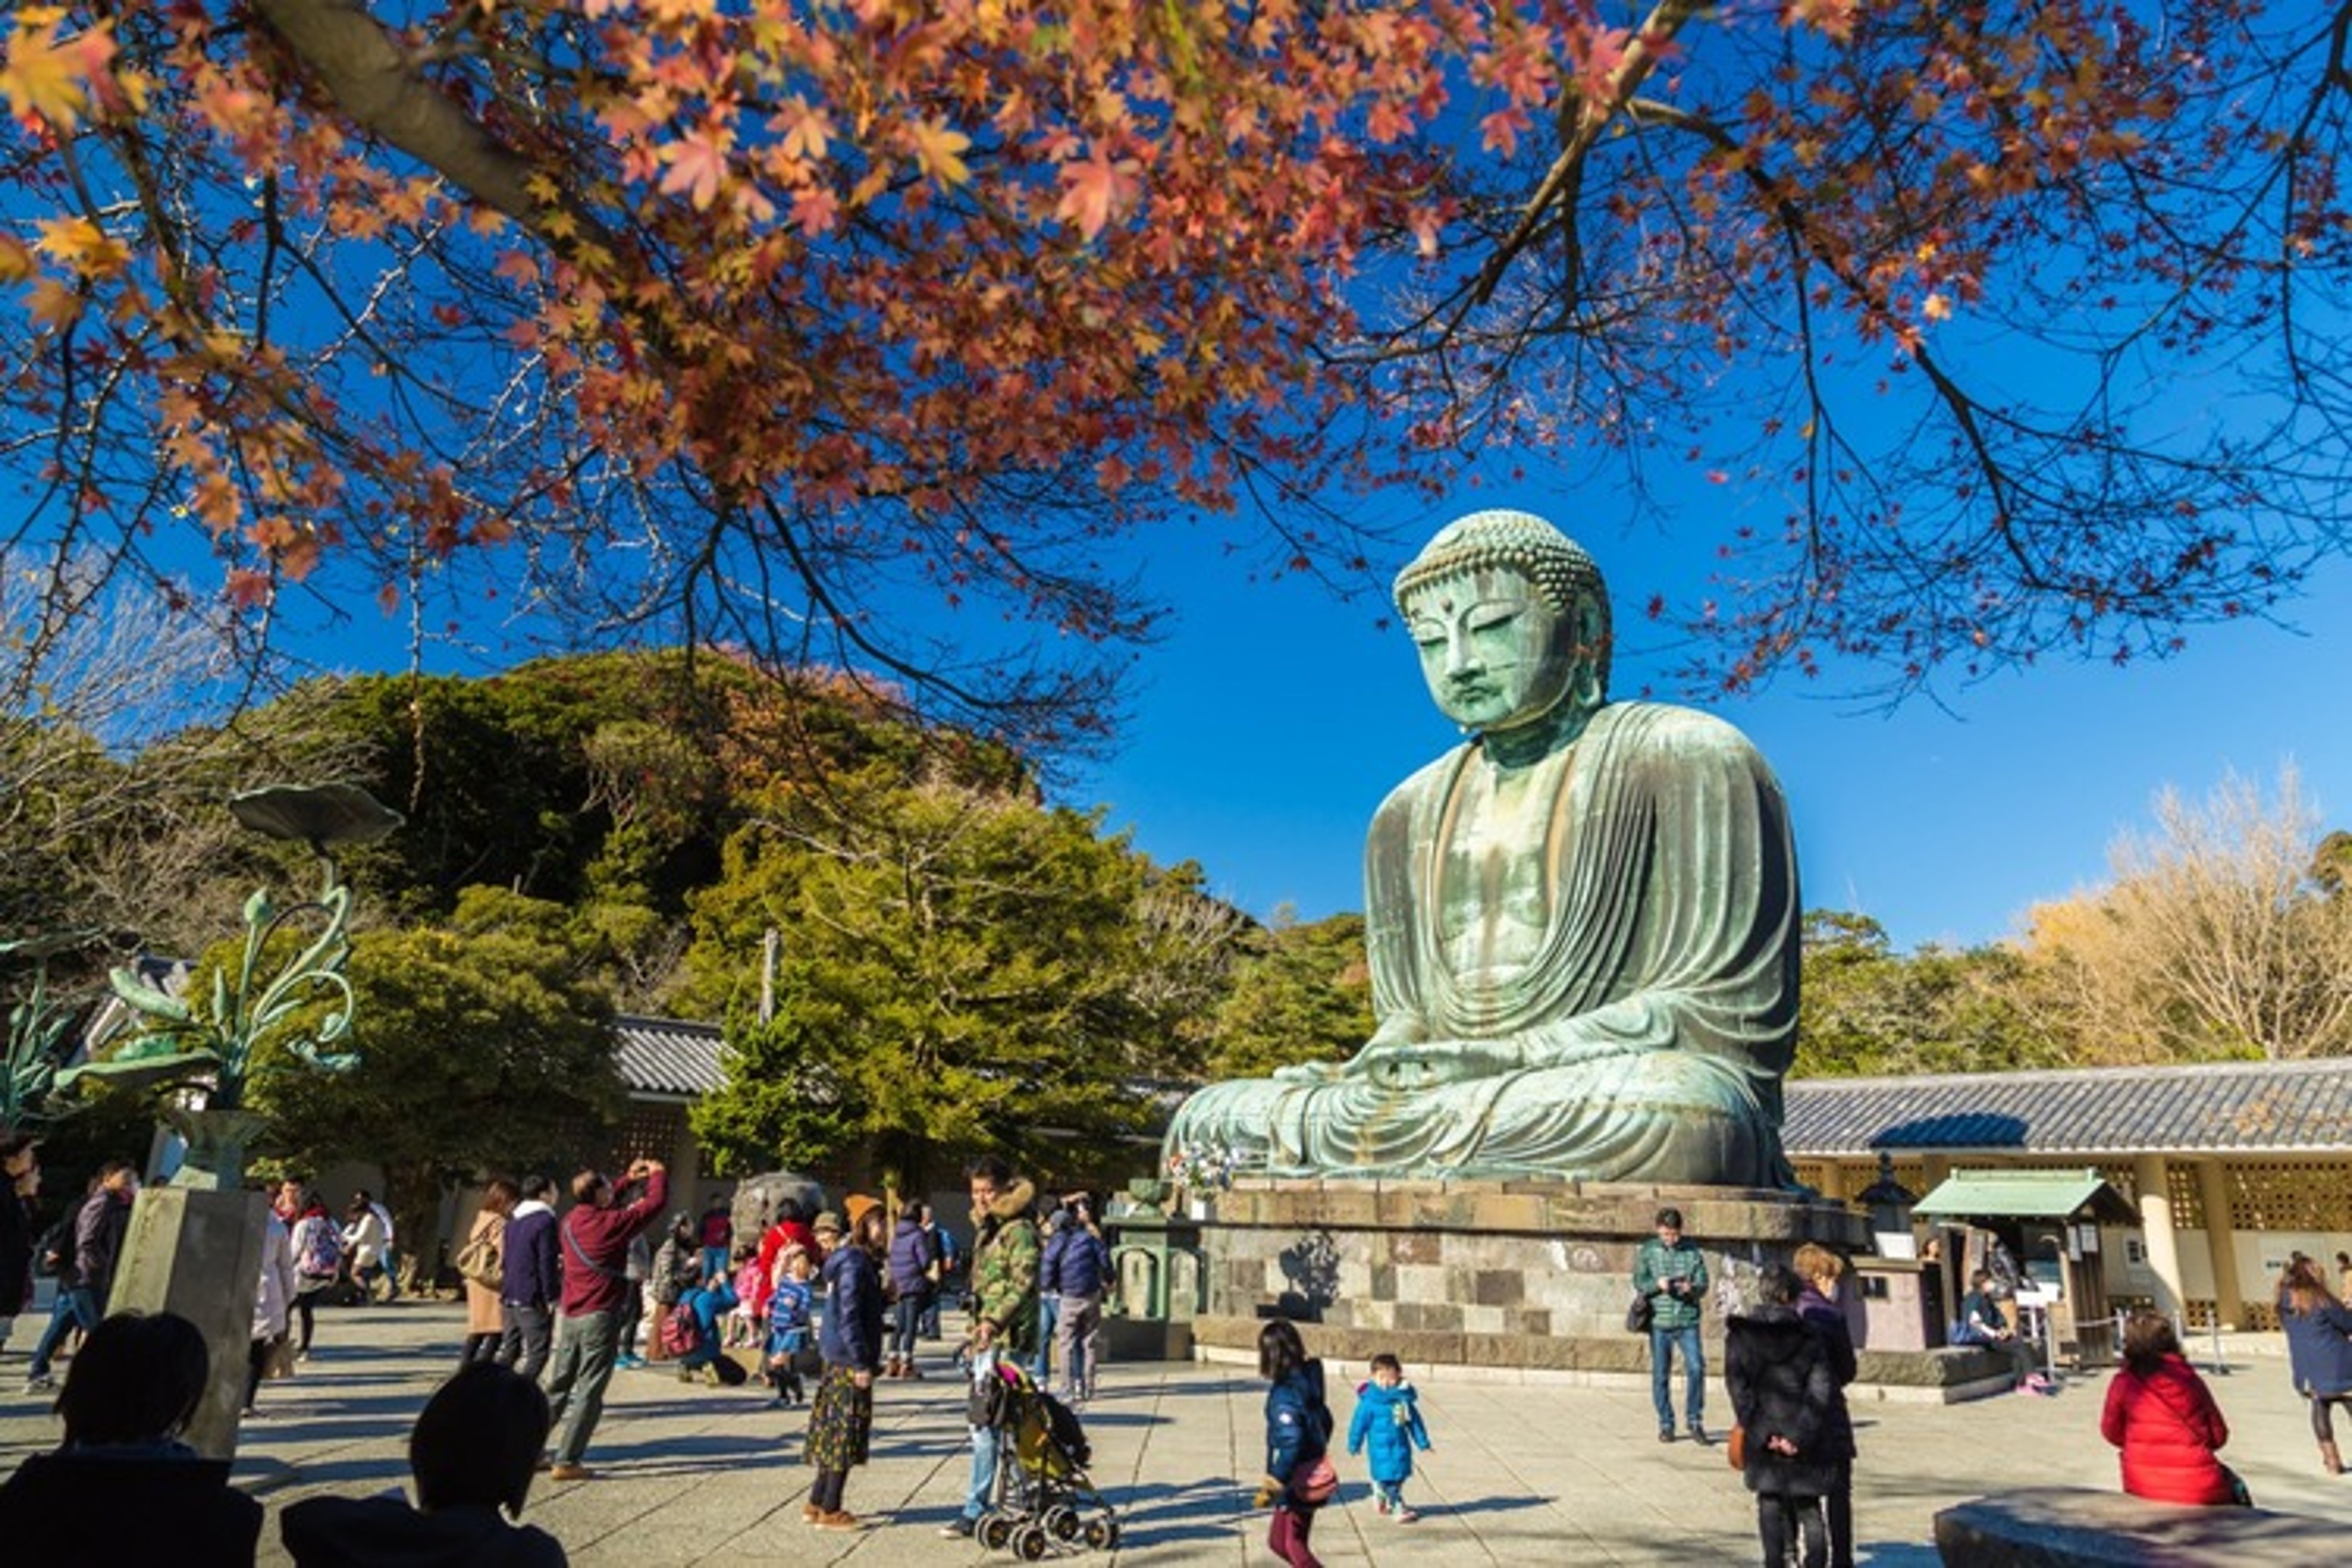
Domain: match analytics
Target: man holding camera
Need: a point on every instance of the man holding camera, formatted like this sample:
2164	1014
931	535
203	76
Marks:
593	1245
1671	1273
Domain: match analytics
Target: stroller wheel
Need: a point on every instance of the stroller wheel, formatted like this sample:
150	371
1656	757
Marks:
1062	1522
995	1529
1030	1542
1102	1533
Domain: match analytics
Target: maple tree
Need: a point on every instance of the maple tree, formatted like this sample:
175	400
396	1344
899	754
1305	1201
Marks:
783	323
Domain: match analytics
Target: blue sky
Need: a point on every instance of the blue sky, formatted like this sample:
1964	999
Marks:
1271	722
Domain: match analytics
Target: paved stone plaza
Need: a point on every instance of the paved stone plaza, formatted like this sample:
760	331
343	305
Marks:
1521	1473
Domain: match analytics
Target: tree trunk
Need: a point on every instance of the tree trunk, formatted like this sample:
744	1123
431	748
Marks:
413	1192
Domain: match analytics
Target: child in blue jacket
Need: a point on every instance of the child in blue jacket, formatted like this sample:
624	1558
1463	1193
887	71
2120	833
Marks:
1388	1417
788	1324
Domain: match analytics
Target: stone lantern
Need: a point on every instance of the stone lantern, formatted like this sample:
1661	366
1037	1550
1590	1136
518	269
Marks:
1890	1204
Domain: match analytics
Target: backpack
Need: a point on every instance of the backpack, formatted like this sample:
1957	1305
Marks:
322	1248
478	1261
681	1331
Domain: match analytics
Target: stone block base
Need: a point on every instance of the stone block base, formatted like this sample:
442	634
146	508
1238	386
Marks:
1146	1339
197	1252
2069	1527
1896	1377
1487	1272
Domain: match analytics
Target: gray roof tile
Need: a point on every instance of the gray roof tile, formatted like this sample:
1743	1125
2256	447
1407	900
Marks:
666	1055
2210	1108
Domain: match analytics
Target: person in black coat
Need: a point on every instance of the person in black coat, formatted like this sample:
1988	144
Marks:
130	1392
849	1337
1821	1271
1778	1373
20	1179
2319	1351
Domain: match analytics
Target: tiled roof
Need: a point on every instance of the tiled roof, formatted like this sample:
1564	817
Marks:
666	1055
2211	1108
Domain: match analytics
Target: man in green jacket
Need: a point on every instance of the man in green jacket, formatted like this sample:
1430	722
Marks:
1671	1273
1004	1308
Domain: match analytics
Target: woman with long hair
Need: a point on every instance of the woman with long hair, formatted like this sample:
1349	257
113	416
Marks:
2163	1417
2319	1353
486	1318
1298	1476
849	1337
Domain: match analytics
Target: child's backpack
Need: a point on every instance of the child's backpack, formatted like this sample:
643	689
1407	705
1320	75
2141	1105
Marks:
681	1331
322	1250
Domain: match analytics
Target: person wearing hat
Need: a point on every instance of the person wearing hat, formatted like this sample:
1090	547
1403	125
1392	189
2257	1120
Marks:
849	1339
1004	1253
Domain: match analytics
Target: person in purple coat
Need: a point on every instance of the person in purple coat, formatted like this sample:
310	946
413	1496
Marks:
913	1281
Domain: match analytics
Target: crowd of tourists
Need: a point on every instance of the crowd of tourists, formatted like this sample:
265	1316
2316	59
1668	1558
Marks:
824	1306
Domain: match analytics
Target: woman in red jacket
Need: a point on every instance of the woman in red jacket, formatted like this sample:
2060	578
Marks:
2163	1417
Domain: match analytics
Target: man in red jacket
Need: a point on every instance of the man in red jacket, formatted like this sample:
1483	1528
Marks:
592	1240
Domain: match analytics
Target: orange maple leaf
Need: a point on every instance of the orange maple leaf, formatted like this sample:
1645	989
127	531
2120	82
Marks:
938	149
1097	188
697	164
53	304
48	78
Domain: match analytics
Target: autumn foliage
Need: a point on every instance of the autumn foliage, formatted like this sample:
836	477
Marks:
790	322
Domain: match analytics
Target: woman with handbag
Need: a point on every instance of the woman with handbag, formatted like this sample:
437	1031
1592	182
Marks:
481	1263
1300	1479
849	1333
1778	1373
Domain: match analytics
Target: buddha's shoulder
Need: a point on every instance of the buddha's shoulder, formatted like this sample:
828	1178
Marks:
1666	728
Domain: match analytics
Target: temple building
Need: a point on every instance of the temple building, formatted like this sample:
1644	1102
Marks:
2232	1165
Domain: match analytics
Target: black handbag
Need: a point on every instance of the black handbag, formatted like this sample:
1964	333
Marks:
1638	1315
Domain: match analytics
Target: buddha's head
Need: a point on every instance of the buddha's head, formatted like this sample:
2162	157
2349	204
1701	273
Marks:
1512	622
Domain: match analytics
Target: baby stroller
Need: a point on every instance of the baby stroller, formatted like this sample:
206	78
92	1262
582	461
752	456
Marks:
1043	1499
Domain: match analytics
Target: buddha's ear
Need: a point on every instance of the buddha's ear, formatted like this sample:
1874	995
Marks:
1589	624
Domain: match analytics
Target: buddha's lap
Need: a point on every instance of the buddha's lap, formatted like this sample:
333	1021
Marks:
1663	1085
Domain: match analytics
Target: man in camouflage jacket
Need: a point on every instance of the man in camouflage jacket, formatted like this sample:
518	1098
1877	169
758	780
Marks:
1004	1311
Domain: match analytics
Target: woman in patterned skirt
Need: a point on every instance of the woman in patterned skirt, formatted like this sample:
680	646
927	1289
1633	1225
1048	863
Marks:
841	1419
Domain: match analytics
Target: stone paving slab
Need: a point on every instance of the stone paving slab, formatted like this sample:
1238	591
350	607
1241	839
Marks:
1529	1473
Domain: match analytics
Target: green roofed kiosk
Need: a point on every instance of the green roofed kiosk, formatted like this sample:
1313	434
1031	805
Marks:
2049	1222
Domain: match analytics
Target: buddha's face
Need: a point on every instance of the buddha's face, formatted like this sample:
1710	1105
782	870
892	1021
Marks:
1496	655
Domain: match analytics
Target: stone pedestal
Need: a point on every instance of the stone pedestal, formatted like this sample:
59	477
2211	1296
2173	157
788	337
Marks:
1528	1275
197	1252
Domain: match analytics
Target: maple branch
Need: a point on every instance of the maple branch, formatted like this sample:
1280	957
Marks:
1639	59
1963	408
373	80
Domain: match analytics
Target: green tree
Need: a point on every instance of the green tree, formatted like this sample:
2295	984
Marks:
1302	993
961	972
1868	1009
483	1045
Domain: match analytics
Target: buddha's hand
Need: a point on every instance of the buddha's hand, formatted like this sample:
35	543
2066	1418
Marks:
1409	1065
1390	1039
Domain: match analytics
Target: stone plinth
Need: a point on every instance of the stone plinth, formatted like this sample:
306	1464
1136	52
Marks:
198	1253
1487	1265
